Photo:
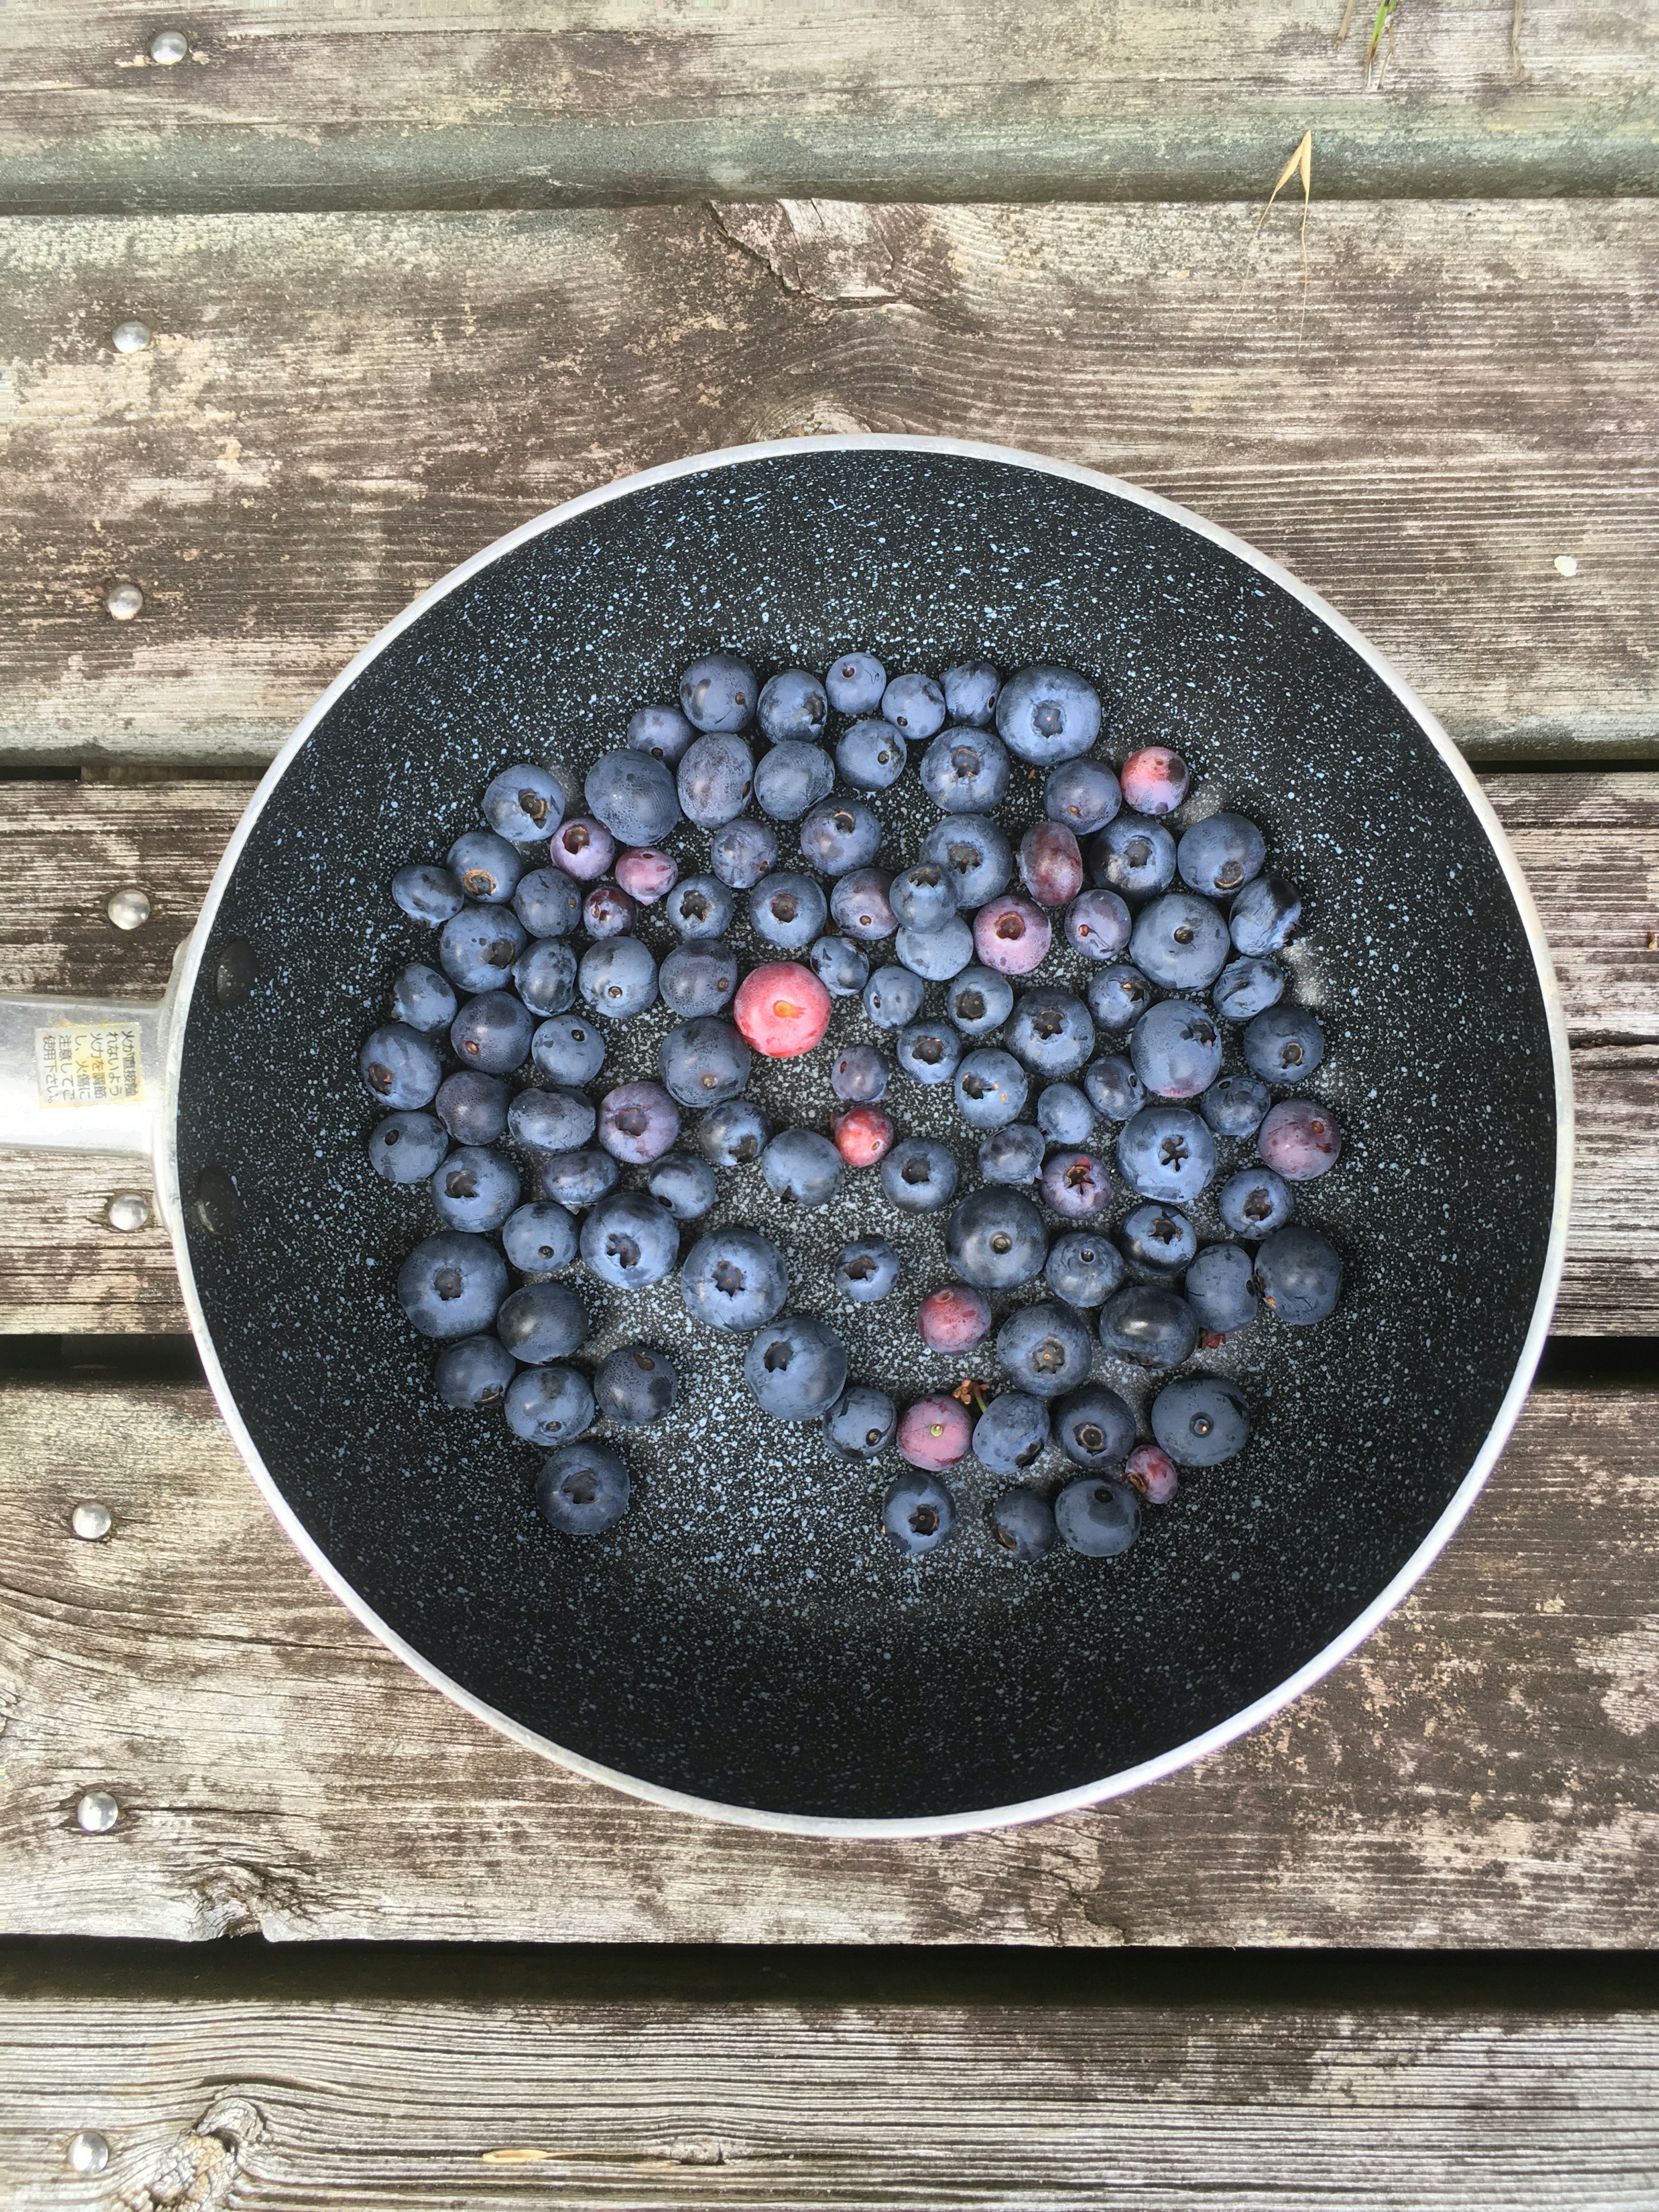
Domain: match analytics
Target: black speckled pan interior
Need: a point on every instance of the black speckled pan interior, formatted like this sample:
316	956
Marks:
746	1637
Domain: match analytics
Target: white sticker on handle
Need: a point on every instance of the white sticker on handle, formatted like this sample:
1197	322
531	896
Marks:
102	1067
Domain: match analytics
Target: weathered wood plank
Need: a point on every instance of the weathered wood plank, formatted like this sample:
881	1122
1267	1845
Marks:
337	409
398	2103
1483	1772
426	105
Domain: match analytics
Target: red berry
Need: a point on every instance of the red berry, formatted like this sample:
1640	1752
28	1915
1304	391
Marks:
781	1009
582	847
1050	864
1012	935
863	1135
1299	1139
934	1432
1152	1472
1155	779
647	875
954	1318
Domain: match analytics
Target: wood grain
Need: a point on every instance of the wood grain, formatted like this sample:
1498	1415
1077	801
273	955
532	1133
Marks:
1482	1772
401	2103
617	100
337	409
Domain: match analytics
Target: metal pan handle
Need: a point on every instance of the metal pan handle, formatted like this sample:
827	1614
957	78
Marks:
84	1075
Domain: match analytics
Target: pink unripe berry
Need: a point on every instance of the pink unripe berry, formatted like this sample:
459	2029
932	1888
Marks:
954	1318
1299	1139
647	874
1012	935
863	1135
1155	780
781	1009
582	847
934	1432
1152	1472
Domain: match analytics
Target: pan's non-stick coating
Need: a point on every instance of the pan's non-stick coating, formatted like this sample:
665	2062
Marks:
745	1635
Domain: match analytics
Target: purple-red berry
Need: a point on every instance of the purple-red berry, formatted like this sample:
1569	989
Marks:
954	1318
1012	935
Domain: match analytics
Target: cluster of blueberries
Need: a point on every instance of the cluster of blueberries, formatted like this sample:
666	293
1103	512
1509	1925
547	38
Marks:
1196	915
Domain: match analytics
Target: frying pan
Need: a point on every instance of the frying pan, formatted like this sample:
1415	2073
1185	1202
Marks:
744	1644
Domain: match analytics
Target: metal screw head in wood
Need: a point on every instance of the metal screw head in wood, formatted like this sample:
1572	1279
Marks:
168	48
128	908
123	601
97	1812
128	1210
90	1521
88	2152
130	337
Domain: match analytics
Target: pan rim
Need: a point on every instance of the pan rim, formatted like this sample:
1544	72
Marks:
1248	1717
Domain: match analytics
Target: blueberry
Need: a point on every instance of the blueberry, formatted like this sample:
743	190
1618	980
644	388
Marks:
791	778
583	848
1132	856
684	1184
1084	795
859	1074
478	947
473	1108
995	1240
548	1405
607	911
991	1088
792	704
638	1123
1201	1421
539	1238
1021	1524
866	1270
966	771
1233	1106
545	973
569	1049
636	1385
870	754
583	1489
734	1279
929	1051
1012	1154
405	1148
618	978
1167	1152
550	1121
914	703
861	1424
1176	1049
1064	1114
492	1032
486	866
523	804
1094	1428
541	1322
401	1068
1084	1268
733	1133
893	997
1097	925
936	955
1299	1275
714	781
919	1175
629	1241
474	1373
1180	941
1265	916
1157	1241
1051	1032
1220	1288
1113	1088
474	1189
1045	1348
917	1512
838	835
1220	855
1013	1432
1247	988
451	1285
700	906
704	1063
979	1000
742	852
970	693
1050	864
839	966
860	905
421	1000
427	892
663	732
719	692
855	684
1119	996
977	854
1076	1184
579	1179
801	1167
796	1368
1099	1519
698	979
1151	1325
1048	714
1299	1139
788	910
1283	1045
923	896
548	902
